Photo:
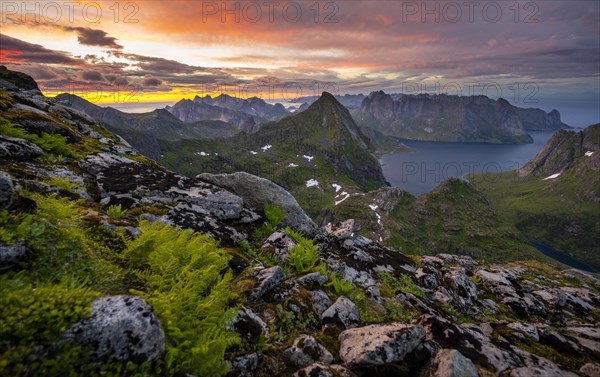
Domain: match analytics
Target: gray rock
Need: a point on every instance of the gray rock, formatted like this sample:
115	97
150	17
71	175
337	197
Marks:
210	200
306	351
340	231
281	244
257	192
6	190
313	279
243	366
588	338
121	328
249	325
451	363
526	329
12	148
536	366
320	302
460	283
11	256
323	370
558	341
379	344
590	370
343	312
95	163
268	278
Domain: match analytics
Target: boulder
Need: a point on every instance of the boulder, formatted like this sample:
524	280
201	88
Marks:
121	328
590	370
257	192
323	370
306	351
342	312
249	325
588	338
460	283
313	279
12	148
6	190
281	244
12	256
268	278
340	231
451	363
526	329
320	302
558	341
243	366
378	345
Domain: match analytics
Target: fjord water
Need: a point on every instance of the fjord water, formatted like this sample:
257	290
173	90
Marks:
431	163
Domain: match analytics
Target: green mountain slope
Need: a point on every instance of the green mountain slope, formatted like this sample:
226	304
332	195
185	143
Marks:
321	144
555	198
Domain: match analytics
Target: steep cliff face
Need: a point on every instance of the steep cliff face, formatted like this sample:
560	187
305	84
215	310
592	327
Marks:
567	150
452	118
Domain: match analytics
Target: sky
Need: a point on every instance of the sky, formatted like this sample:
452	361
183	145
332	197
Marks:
144	54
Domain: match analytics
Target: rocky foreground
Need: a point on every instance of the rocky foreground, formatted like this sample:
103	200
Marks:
357	309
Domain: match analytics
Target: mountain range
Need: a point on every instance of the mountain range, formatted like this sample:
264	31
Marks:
112	265
452	118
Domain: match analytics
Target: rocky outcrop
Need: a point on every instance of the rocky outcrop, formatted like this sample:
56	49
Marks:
268	278
306	351
12	148
451	363
13	255
378	345
249	325
342	312
6	190
257	192
121	328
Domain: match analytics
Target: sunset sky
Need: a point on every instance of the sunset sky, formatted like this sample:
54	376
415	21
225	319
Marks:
535	54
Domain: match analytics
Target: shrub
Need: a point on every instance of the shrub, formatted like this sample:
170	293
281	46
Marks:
274	214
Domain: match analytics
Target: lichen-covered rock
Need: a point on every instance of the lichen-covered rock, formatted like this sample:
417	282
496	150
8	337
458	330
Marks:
249	325
590	370
257	192
558	341
12	148
340	231
320	302
11	256
121	328
281	244
377	345
313	279
587	337
460	283
535	366
526	329
451	363
268	278
342	312
6	190
323	370
243	366
306	351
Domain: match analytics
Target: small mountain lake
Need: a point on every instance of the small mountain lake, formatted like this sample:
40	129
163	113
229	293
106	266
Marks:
433	162
562	257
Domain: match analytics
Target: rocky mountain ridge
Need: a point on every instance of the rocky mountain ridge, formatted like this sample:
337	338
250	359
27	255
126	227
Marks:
453	118
96	279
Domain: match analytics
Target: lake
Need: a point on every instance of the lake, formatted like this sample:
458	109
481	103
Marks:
433	162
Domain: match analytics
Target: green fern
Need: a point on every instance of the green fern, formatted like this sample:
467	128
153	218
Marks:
183	279
116	211
304	256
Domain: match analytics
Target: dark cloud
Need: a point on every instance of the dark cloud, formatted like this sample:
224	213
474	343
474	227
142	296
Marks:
31	53
93	37
151	81
92	76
